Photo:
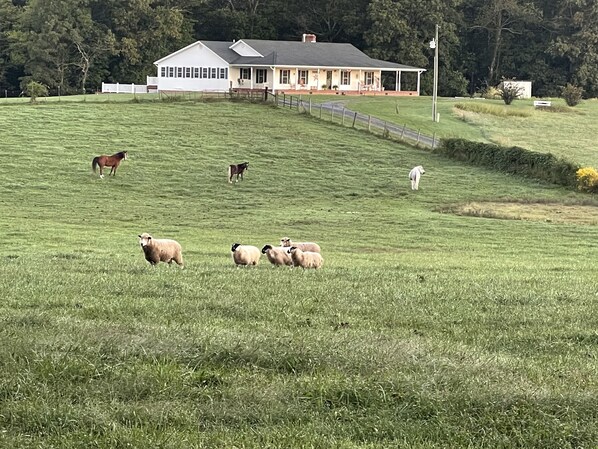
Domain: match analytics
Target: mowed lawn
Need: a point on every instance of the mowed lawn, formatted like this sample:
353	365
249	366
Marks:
424	329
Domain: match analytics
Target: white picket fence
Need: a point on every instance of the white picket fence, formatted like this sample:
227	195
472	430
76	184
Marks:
118	88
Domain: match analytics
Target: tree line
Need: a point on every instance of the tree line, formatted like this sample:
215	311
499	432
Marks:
74	45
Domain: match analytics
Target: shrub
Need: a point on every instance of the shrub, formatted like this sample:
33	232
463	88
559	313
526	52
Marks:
509	92
572	94
587	179
34	89
544	166
490	93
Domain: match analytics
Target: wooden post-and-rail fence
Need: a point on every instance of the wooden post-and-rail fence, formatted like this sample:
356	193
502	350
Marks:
336	113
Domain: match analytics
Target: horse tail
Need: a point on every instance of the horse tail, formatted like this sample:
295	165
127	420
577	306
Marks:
230	174
94	163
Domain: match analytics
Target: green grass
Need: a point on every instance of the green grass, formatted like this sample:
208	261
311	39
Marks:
566	132
424	329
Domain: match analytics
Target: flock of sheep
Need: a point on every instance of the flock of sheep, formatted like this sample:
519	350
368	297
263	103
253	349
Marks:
289	253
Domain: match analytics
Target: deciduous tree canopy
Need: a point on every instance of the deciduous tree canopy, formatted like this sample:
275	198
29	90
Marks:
74	45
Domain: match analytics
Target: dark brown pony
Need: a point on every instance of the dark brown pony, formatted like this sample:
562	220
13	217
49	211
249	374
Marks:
108	161
238	170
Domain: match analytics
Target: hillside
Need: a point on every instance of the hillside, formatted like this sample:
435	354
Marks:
430	325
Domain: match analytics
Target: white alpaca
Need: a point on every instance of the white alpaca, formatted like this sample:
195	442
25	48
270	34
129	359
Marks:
414	175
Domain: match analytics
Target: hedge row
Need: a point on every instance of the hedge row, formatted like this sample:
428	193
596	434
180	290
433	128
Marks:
516	160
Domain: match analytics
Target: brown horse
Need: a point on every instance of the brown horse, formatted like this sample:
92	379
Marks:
238	170
108	161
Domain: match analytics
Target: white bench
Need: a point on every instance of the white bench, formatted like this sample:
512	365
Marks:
542	104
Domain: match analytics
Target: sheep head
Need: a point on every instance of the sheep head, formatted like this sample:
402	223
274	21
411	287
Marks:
234	247
266	248
145	239
285	241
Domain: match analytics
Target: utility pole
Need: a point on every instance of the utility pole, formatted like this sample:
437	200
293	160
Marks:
434	45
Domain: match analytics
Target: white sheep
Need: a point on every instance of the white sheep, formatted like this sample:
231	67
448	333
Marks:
305	259
160	250
415	175
304	246
277	255
245	254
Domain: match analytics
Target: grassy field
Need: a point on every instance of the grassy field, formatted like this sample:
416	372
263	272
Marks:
431	325
568	133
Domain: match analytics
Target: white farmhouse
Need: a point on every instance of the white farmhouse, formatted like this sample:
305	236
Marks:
286	66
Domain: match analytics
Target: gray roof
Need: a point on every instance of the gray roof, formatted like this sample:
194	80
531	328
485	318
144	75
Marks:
302	54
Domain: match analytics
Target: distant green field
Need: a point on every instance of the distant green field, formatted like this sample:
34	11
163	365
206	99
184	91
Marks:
566	134
441	318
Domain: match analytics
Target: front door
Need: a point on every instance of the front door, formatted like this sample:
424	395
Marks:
328	79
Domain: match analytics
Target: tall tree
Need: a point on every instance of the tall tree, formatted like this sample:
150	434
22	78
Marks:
400	31
42	41
144	31
330	20
577	42
9	16
236	19
494	19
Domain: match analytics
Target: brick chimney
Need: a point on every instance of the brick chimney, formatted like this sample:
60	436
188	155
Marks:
309	38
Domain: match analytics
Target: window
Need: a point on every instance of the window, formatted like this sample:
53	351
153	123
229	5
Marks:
214	73
187	72
302	77
204	72
179	72
245	73
368	78
163	72
285	75
261	76
345	77
171	72
195	72
223	73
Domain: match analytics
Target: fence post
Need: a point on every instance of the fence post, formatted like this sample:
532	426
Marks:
133	88
403	132
354	118
369	123
310	106
116	87
418	134
343	119
384	133
284	99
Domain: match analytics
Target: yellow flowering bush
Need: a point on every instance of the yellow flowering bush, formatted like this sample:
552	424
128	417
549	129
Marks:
587	179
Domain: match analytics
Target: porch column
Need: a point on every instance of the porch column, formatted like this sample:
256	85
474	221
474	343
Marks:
399	78
418	78
252	76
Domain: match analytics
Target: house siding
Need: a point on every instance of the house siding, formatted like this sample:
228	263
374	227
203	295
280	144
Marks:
197	56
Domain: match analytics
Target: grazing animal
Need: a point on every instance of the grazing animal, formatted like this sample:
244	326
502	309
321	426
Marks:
277	255
245	254
108	161
414	175
237	169
305	259
304	246
160	250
